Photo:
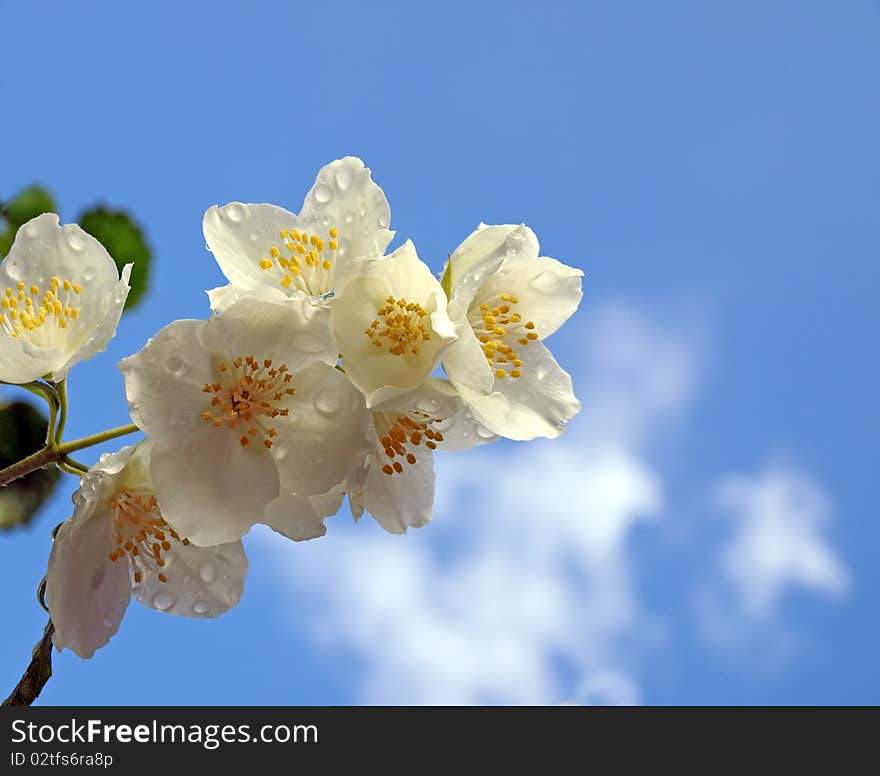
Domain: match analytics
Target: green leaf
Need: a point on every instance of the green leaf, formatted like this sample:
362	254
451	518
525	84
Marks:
7	235
22	432
124	241
446	279
27	204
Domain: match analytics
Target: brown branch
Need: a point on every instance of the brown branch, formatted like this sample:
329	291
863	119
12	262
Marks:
36	674
39	460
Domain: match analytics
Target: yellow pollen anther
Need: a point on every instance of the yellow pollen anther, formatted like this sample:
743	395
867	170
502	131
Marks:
250	391
400	326
496	328
139	531
315	276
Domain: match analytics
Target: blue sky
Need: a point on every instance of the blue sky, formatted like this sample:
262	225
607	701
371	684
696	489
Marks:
713	167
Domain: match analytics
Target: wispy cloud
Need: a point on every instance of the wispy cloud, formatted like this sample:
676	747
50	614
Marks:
779	543
523	589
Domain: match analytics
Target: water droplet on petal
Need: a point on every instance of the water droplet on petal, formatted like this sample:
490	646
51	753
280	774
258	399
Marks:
342	177
349	217
200	608
234	212
328	401
545	282
484	433
280	450
164	600
323	193
31	230
208	572
75	241
427	405
383	220
175	365
254	236
89	275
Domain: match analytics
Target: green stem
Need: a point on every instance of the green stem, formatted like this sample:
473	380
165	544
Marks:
96	439
61	388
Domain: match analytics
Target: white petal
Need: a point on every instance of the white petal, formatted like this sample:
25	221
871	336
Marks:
202	581
241	235
99	338
209	487
290	330
465	362
86	593
376	371
223	296
300	518
324	435
345	197
537	404
548	292
439	400
485	242
164	380
43	250
401	500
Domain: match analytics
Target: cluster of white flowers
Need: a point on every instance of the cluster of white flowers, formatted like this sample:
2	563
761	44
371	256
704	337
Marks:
313	378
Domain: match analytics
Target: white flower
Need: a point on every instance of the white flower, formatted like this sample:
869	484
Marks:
242	408
397	487
116	544
345	217
505	300
61	300
391	325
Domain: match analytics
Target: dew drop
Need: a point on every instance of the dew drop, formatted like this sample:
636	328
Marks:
328	401
280	450
208	572
234	212
75	241
383	220
174	364
545	282
164	600
484	433
31	230
254	236
200	607
427	405
349	217
323	193
89	275
342	177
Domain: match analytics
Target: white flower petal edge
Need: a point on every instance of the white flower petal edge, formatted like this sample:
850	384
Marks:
230	406
504	300
117	544
391	325
404	433
300	518
344	217
62	297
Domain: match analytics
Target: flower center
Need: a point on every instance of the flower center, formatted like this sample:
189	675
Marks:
304	261
40	317
141	533
499	328
400	327
248	395
397	433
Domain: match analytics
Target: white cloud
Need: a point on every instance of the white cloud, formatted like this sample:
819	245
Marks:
779	541
522	590
778	544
